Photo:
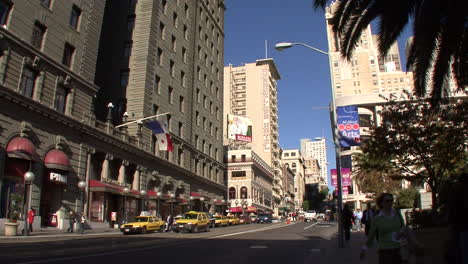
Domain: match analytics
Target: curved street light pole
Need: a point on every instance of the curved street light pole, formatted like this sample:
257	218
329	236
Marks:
284	45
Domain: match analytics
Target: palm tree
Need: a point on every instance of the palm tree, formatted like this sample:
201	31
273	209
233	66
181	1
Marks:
440	31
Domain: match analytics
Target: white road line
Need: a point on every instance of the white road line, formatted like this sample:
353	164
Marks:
311	225
258	246
249	231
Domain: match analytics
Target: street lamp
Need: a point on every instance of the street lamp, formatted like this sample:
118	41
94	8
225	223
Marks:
222	206
28	179
202	203
191	200
284	45
172	195
81	187
109	112
126	190
143	194
158	194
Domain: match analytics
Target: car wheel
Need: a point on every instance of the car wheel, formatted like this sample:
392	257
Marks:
143	230
161	229
195	229
207	229
125	233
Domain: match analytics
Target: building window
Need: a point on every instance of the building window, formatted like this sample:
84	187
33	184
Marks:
197	117
28	81
124	74
184	54
203	146
61	99
158	84
180	157
160	56
198	95
169	122
68	53
185	32
232	193
216	133
5	8
171	68
182	78
181	104
127	50
46	3
174	43
181	130
205	101
75	17
186	11
211	128
171	95
243	192
204	123
233	158
162	29
175	19
243	158
164	6
38	35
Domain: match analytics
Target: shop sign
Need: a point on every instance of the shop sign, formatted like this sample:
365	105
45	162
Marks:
56	177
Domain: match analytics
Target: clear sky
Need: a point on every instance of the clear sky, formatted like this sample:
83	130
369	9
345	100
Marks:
305	78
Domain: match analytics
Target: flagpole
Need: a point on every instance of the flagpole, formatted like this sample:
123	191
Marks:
141	119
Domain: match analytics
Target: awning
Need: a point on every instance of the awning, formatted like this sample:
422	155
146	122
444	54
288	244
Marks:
57	159
99	186
251	209
21	148
195	194
237	209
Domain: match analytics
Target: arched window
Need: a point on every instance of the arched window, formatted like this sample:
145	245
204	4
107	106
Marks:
243	193
293	165
232	193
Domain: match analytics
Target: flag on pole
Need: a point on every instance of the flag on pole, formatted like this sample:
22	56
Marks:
160	129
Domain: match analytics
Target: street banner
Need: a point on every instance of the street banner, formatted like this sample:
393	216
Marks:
345	177
345	190
348	125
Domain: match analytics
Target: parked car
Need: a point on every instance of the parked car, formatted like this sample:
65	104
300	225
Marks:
212	220
253	219
192	222
275	219
264	218
221	220
233	220
143	224
244	219
310	215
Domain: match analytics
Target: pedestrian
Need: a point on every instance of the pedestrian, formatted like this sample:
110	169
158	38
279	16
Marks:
457	206
82	223
368	217
169	221
358	217
31	215
71	221
347	219
389	226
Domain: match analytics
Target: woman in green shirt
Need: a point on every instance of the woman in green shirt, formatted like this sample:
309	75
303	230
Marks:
386	228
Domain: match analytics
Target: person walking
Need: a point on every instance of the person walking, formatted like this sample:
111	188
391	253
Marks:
347	219
169	221
82	223
368	217
358	217
388	225
31	215
71	221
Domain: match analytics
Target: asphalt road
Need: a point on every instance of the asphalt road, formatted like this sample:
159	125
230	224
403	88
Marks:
254	243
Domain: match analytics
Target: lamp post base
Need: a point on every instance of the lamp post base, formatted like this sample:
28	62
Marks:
11	229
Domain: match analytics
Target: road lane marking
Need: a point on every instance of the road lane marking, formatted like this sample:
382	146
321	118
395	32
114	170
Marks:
314	224
249	231
258	246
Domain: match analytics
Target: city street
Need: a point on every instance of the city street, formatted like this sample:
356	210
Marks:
255	243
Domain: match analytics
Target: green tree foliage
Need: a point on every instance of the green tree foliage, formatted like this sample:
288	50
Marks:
305	205
440	36
406	198
422	144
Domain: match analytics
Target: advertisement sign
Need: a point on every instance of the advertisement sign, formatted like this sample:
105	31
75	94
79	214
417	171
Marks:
345	177
56	177
348	125
239	128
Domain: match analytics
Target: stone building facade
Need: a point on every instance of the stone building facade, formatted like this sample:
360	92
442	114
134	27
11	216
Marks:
52	121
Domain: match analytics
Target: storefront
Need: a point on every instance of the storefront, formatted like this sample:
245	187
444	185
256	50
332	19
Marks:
20	155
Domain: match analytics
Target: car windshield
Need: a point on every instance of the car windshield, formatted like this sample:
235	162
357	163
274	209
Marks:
141	219
218	217
189	216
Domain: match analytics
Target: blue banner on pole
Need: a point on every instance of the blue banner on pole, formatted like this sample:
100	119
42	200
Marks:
348	125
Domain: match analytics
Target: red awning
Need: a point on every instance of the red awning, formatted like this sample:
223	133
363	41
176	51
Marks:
251	209
195	194
21	148
99	186
237	209
57	159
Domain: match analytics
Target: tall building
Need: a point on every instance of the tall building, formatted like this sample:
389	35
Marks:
61	60
251	91
294	160
316	149
312	172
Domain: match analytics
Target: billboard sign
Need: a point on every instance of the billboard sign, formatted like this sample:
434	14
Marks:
345	177
348	125
239	128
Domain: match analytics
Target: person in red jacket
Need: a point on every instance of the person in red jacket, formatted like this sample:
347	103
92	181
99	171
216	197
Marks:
31	215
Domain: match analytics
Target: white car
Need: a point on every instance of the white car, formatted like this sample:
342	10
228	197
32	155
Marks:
310	215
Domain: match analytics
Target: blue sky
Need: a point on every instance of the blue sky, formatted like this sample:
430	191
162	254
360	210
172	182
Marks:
305	78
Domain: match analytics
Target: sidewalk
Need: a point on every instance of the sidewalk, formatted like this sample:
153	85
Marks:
54	233
433	239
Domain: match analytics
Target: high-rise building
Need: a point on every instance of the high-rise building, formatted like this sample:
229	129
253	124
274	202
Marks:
316	149
294	160
250	91
61	60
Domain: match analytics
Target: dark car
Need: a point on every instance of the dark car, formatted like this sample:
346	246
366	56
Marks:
212	220
264	218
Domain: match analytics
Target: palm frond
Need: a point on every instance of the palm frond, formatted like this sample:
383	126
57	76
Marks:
320	4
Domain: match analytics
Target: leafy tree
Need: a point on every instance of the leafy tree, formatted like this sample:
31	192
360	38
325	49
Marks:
406	198
305	205
422	144
439	28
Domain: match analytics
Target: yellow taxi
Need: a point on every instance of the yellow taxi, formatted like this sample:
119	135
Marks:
233	220
221	220
192	222
143	224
